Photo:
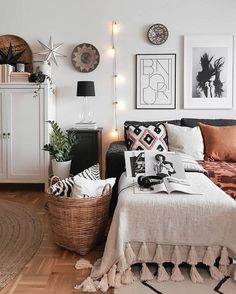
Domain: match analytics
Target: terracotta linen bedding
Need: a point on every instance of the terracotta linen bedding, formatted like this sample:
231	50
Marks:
223	174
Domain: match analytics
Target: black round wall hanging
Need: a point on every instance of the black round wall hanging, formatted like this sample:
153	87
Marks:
157	34
85	57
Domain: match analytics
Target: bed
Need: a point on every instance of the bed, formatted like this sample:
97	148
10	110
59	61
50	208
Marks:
160	228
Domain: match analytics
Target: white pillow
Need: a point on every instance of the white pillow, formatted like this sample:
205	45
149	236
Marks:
89	188
190	164
185	140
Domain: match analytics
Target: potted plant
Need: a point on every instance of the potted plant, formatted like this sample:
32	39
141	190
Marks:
61	148
39	77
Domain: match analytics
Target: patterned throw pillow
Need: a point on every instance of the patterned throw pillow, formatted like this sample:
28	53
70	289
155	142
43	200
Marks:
143	137
64	187
91	173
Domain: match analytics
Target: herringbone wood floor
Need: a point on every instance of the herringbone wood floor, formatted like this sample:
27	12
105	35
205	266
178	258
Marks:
51	270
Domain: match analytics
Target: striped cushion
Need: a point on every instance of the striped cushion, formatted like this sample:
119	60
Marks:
64	187
91	173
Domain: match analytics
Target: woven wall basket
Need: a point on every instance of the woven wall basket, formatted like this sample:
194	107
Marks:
79	223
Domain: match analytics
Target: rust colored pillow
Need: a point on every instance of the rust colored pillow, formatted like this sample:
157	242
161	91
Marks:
219	142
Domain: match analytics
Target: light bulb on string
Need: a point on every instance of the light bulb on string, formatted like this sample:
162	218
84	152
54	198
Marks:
120	79
114	133
112	51
121	105
115	27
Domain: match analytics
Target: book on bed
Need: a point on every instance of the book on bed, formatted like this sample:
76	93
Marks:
168	185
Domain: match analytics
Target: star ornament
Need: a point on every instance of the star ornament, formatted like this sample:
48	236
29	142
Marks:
51	51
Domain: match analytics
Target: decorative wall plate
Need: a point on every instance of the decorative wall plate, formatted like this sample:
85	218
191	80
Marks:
18	44
85	57
157	34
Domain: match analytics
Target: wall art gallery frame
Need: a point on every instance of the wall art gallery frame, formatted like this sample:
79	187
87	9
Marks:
208	71
155	81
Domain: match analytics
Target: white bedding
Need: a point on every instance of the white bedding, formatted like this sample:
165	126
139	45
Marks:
177	218
204	221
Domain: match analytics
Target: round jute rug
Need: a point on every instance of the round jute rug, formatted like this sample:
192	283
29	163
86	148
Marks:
20	237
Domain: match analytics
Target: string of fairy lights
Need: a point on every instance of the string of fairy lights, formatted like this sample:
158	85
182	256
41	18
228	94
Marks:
115	132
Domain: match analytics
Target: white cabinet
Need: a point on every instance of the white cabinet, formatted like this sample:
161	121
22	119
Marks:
23	132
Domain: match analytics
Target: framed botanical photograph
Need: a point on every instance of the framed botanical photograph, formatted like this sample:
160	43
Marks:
155	81
208	72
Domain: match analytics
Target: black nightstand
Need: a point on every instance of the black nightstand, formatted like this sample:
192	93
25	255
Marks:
88	151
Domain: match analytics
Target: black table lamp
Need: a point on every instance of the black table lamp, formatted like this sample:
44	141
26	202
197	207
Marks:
85	89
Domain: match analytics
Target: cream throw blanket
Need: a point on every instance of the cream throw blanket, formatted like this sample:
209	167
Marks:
176	227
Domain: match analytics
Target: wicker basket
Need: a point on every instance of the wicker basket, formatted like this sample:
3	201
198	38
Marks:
79	223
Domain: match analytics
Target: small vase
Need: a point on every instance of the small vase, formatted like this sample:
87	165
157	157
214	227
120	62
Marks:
45	68
61	169
20	67
42	66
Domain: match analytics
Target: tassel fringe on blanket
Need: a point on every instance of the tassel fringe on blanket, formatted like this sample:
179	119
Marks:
176	260
112	275
193	261
209	260
224	262
162	274
129	254
121	272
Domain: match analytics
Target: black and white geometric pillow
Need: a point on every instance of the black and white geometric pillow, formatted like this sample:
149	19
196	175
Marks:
151	137
64	187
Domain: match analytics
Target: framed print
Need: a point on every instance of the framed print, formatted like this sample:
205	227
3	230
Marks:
208	72
155	81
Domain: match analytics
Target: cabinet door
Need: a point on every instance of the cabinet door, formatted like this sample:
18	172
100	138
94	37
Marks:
25	136
3	128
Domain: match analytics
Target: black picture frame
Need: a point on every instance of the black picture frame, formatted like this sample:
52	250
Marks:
156	81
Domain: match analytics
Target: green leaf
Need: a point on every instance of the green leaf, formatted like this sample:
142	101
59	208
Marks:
62	144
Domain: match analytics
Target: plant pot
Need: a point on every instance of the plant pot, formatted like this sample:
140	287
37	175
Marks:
37	78
61	169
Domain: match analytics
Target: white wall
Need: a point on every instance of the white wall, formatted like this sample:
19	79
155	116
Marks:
77	21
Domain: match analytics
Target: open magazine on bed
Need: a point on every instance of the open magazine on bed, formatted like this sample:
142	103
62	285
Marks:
149	164
168	185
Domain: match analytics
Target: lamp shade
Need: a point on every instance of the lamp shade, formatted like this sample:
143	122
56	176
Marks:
85	88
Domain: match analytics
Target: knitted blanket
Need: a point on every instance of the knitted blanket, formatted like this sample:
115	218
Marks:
162	228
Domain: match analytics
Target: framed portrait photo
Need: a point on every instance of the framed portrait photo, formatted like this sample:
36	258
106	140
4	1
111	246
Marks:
155	81
208	72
